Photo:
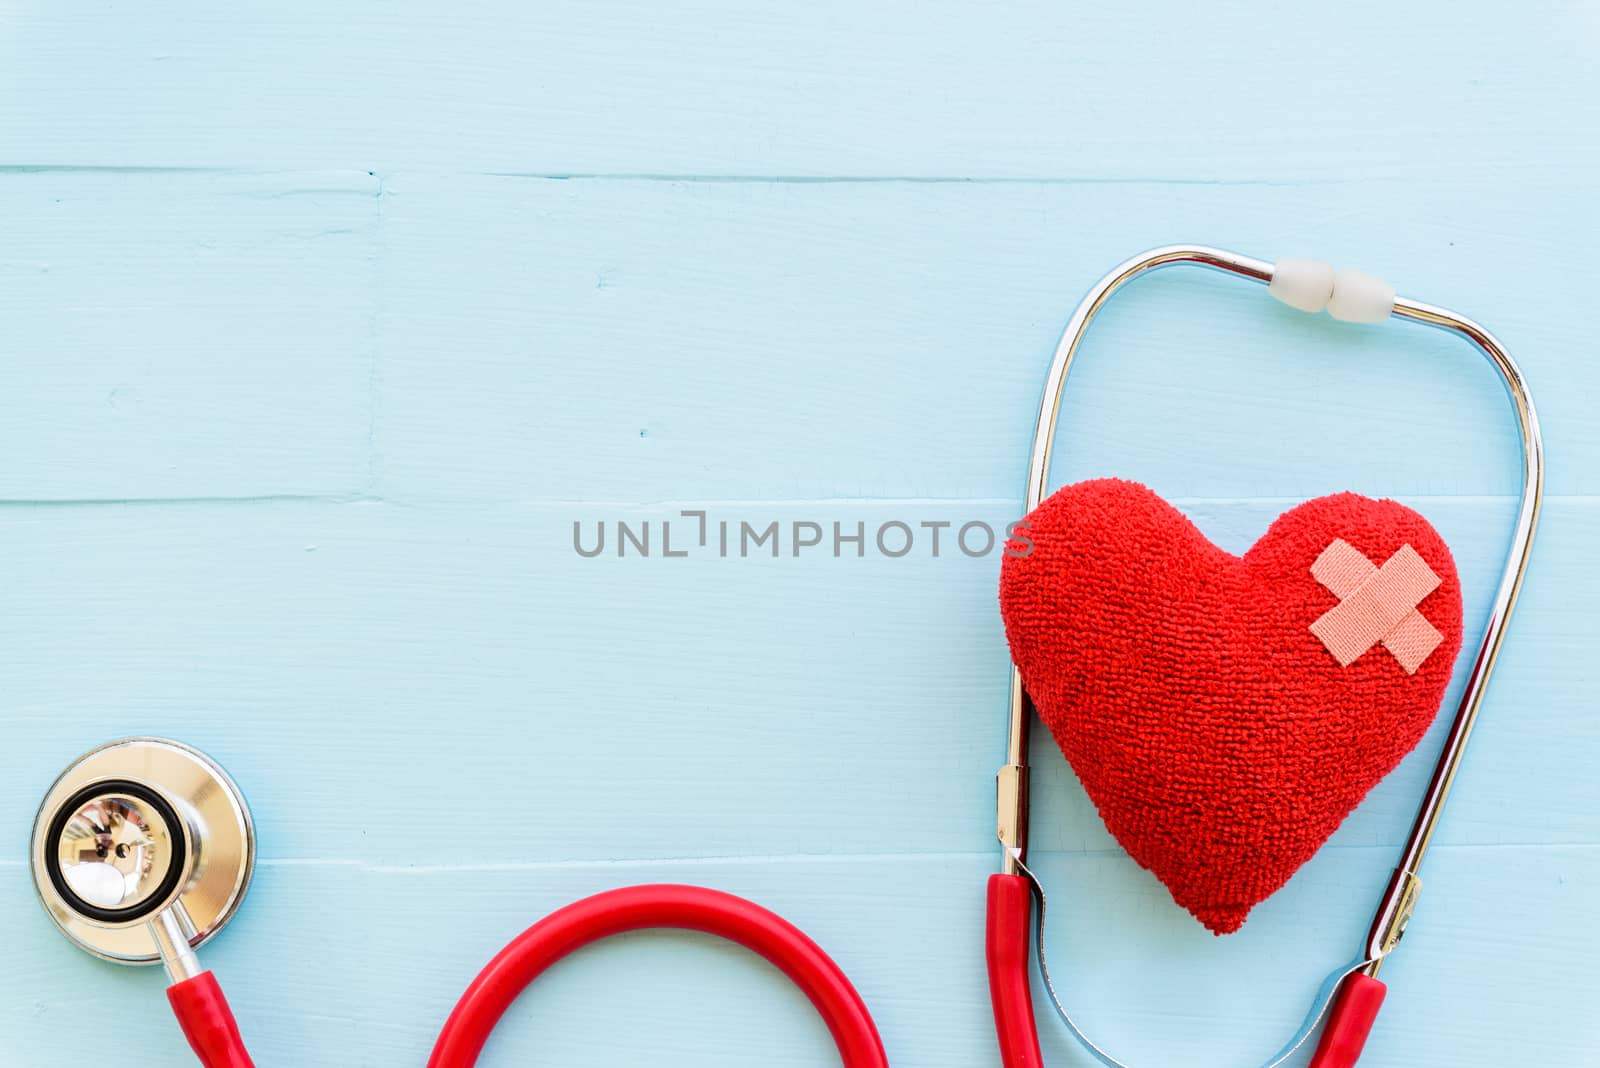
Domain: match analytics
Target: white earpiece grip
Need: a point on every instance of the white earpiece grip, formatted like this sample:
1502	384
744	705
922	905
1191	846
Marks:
1359	297
1302	284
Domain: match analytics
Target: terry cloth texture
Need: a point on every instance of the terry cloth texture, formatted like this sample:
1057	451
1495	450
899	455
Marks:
1220	740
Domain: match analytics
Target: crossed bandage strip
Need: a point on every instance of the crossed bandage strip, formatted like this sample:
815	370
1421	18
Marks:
1376	605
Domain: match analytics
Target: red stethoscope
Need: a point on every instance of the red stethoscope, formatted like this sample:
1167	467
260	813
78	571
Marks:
143	849
1350	997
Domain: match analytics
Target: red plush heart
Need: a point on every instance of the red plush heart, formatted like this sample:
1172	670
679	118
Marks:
1218	736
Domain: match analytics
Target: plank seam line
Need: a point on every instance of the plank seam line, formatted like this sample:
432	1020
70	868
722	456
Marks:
709	502
375	868
692	178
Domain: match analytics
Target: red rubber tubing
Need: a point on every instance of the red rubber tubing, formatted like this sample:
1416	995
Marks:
1009	922
1350	1021
637	908
208	1023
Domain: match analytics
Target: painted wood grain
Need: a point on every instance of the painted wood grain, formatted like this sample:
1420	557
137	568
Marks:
363	964
321	324
506	339
185	335
643	340
643	707
1242	90
686	710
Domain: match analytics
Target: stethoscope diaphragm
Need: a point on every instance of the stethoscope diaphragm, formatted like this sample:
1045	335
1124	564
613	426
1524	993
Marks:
138	829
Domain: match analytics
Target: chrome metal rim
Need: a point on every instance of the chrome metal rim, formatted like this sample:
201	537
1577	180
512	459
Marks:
217	838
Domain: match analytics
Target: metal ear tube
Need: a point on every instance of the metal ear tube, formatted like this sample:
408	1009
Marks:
1014	895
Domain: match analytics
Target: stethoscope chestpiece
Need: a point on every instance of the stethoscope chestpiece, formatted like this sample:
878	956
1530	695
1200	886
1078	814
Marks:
142	851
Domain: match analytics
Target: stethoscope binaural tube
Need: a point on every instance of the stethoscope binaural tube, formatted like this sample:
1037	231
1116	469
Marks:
1352	1005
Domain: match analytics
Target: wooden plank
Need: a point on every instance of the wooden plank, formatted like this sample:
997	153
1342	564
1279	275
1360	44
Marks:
375	958
646	340
185	335
205	335
1248	91
355	308
467	659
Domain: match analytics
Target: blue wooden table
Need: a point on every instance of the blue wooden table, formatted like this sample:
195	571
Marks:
322	324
